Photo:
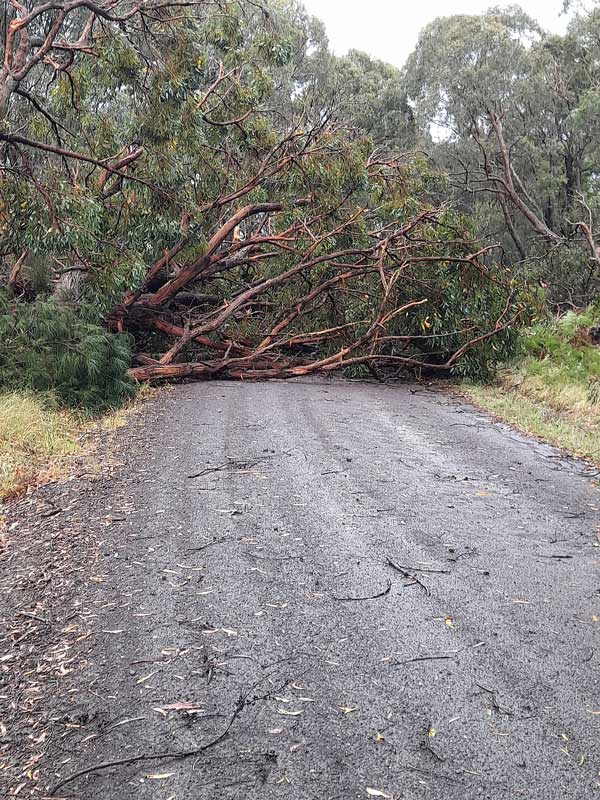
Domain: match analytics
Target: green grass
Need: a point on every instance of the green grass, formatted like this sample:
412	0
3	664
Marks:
552	390
35	440
37	437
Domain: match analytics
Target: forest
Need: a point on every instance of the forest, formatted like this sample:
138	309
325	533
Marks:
199	189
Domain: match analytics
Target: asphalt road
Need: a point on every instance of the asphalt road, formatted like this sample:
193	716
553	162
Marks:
368	591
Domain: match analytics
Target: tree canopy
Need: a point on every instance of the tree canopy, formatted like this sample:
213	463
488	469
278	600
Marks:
516	116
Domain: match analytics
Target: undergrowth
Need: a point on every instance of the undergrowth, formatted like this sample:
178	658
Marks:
46	346
552	390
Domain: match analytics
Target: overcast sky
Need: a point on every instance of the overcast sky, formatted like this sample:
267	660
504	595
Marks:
388	29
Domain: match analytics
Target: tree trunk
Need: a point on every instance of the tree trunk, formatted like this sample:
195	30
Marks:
537	224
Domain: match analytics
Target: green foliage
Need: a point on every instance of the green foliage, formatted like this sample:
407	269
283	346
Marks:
552	386
562	352
47	347
469	69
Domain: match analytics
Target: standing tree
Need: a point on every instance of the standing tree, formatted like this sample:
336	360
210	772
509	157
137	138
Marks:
506	105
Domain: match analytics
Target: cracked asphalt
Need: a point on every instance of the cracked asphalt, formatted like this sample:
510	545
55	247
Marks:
375	591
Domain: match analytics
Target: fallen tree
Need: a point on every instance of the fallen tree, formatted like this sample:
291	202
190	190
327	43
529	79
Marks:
283	289
178	179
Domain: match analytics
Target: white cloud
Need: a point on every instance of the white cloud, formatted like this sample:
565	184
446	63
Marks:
388	29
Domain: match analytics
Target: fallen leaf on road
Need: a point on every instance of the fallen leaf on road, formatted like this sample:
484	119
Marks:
448	622
125	721
275	731
147	677
431	732
348	709
289	713
191	708
376	793
159	776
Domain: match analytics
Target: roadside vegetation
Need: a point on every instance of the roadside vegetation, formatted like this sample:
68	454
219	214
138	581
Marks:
206	190
552	388
36	441
41	440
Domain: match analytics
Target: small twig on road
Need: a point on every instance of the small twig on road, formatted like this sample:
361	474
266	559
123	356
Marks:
369	597
407	569
274	558
32	616
416	582
558	556
227	466
209	544
429	734
175	755
179	754
436	775
236	464
52	513
495	702
411	575
430	658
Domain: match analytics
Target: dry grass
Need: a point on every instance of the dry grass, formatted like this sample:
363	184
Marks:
572	429
118	418
553	390
36	441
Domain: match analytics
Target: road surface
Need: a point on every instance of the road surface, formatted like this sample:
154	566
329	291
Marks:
316	591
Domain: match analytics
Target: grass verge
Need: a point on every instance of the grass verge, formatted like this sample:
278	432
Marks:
35	441
39	442
553	390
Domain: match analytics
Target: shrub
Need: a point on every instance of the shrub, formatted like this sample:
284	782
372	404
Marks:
49	347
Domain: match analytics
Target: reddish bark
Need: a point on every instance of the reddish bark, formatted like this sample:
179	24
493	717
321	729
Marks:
288	316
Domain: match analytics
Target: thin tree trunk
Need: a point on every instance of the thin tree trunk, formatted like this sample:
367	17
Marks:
511	228
537	224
